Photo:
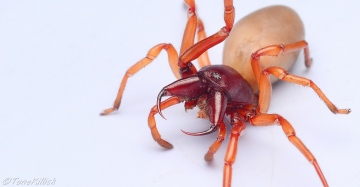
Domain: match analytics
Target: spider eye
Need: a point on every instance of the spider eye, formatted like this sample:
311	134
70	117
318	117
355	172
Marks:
216	76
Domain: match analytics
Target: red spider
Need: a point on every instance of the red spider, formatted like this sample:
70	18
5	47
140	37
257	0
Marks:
241	88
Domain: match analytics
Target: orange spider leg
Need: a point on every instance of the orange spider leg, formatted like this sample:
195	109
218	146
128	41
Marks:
216	145
200	47
203	59
151	55
285	76
275	50
263	79
188	38
270	119
189	34
230	156
190	28
265	88
152	123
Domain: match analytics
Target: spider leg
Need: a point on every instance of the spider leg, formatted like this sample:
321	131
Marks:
189	37
151	55
270	119
275	50
188	50
200	47
190	28
203	59
265	88
187	42
262	76
152	123
285	76
216	145
230	156
189	33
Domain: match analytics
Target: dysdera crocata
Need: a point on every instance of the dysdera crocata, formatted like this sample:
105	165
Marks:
266	42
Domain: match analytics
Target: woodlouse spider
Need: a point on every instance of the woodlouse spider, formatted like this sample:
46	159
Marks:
266	42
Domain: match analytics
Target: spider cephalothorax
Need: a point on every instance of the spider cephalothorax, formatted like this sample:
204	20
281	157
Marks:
212	88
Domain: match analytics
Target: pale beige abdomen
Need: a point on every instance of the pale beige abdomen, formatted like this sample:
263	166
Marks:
268	26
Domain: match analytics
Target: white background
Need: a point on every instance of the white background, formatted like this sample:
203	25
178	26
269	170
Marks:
61	63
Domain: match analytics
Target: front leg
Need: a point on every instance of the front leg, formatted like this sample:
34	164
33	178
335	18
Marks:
152	123
151	55
193	52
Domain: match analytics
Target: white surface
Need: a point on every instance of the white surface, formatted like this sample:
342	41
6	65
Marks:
61	63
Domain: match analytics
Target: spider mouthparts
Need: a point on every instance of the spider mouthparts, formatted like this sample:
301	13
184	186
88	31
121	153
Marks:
158	103
212	129
162	115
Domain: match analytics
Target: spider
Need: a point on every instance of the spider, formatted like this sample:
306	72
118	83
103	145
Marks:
239	88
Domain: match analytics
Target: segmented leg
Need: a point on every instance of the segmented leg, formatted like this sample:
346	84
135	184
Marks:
271	119
152	123
285	76
216	145
264	82
230	156
200	47
190	28
203	59
151	55
187	42
188	50
275	50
